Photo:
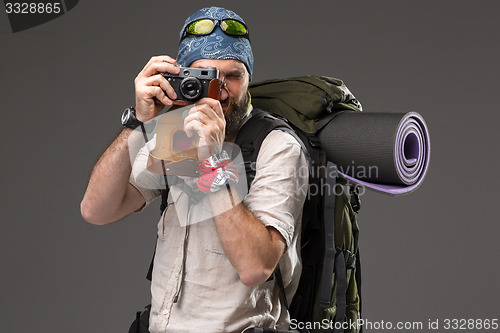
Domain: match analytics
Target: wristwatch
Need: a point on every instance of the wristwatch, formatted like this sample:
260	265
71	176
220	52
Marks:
129	120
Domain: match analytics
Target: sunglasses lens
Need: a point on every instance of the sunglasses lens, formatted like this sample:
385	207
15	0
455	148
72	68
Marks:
233	27
201	27
206	26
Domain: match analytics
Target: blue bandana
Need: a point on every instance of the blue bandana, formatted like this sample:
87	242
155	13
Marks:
217	45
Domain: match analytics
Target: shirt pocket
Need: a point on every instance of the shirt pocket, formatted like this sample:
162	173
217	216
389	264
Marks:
208	238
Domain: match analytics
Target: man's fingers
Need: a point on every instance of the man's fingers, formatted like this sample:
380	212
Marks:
194	126
195	116
215	107
157	65
149	92
204	115
212	112
159	81
162	58
152	90
210	129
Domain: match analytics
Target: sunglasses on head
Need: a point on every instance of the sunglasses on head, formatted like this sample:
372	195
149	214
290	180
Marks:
206	26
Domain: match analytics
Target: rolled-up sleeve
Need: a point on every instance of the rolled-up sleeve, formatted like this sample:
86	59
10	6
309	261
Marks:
277	193
146	182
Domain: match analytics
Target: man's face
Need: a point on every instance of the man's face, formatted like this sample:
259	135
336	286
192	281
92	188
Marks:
233	99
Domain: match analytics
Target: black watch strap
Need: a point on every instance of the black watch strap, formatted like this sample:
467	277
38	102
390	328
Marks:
129	119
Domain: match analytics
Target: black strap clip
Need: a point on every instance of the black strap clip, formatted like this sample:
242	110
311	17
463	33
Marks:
349	257
355	200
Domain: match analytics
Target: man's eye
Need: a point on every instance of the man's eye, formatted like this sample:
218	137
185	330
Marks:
234	77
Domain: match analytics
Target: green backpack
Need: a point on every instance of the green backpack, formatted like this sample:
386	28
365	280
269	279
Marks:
328	296
307	102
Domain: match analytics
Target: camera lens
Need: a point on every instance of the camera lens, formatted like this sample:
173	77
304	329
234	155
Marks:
190	88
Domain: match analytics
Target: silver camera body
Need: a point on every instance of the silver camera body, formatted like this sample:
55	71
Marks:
192	84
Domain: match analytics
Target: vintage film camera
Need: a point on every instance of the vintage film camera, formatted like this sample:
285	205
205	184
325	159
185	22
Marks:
192	84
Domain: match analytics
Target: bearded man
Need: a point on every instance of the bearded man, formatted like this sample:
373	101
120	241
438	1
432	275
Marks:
212	273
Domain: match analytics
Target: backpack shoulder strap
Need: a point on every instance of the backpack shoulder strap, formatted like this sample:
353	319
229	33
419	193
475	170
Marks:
251	136
253	133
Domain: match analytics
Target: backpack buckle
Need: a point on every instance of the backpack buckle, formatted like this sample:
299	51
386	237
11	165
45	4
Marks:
355	200
330	107
247	148
314	141
350	259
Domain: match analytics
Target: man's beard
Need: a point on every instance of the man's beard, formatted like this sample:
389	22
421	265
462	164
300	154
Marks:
235	117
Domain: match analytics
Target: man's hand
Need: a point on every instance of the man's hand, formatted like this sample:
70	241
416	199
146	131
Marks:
206	119
152	90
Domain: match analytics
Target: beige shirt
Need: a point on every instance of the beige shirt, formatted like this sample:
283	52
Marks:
211	297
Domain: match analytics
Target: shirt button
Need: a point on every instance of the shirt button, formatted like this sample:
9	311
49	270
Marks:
165	312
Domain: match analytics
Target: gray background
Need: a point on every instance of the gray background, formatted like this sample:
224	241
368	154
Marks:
432	254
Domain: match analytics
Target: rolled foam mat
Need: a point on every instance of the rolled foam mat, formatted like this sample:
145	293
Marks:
387	152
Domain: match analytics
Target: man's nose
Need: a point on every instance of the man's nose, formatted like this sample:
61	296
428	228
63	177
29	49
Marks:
224	93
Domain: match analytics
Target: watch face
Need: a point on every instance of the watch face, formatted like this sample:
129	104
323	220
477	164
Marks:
125	116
